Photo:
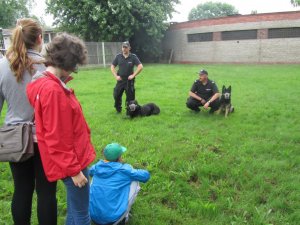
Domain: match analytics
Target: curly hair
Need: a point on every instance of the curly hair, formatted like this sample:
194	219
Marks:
65	51
24	37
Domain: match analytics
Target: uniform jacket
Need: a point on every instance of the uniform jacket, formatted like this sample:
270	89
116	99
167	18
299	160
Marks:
62	132
126	65
110	189
205	91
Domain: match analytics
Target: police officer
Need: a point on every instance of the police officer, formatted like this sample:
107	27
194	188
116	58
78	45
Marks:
125	75
204	92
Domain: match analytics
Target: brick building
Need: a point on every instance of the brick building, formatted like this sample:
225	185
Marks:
257	38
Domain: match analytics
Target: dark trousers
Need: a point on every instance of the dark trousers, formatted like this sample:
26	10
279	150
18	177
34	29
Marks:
194	104
27	176
121	86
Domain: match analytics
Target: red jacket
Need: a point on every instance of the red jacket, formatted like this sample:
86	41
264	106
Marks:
62	132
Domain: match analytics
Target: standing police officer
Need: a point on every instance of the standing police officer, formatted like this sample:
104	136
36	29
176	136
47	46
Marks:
125	75
204	92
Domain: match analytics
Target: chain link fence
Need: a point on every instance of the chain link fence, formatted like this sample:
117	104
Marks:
102	53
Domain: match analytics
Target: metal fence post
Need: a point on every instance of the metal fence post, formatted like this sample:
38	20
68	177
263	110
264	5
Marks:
98	55
103	54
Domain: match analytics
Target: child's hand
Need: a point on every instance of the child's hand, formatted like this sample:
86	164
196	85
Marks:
79	180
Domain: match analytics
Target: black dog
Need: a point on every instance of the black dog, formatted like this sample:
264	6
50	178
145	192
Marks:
225	102
134	109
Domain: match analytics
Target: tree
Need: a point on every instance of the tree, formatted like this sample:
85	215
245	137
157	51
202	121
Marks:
139	21
211	10
11	10
295	2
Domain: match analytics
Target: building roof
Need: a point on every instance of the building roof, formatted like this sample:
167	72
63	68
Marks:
291	15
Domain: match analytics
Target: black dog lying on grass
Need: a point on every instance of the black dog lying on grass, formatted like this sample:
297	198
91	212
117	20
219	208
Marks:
134	109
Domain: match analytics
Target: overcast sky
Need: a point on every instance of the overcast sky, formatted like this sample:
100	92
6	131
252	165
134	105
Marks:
243	6
183	9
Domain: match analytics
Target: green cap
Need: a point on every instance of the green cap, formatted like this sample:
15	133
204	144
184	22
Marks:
113	151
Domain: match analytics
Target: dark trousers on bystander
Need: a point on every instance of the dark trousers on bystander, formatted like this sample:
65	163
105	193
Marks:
29	176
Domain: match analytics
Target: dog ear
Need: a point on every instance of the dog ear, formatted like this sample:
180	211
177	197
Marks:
223	88
229	88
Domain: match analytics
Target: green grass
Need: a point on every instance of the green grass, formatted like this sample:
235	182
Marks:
205	169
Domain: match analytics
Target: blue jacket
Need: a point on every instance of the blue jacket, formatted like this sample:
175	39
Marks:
110	189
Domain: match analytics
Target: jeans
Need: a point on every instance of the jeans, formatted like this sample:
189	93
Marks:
29	176
77	202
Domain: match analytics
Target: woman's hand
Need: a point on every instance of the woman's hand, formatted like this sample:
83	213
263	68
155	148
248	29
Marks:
79	180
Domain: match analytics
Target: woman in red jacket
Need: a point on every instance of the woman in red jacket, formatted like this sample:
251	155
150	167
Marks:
63	134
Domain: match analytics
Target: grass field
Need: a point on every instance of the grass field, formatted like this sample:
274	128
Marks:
205	169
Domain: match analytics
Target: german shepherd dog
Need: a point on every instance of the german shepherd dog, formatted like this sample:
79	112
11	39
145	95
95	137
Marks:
134	109
225	102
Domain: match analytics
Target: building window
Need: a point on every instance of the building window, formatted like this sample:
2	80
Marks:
1	40
46	38
200	37
52	35
291	32
239	35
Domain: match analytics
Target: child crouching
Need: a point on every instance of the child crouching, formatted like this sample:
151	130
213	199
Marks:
114	187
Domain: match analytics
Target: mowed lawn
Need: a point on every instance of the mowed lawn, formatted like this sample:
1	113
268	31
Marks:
205	169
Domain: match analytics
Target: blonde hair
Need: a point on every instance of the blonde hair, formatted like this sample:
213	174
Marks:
24	37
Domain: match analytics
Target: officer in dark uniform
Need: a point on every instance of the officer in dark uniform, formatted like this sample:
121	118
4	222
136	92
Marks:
204	92
125	75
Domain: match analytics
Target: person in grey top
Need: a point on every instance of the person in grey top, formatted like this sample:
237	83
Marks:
18	66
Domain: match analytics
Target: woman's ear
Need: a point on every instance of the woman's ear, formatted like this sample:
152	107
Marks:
39	43
39	39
